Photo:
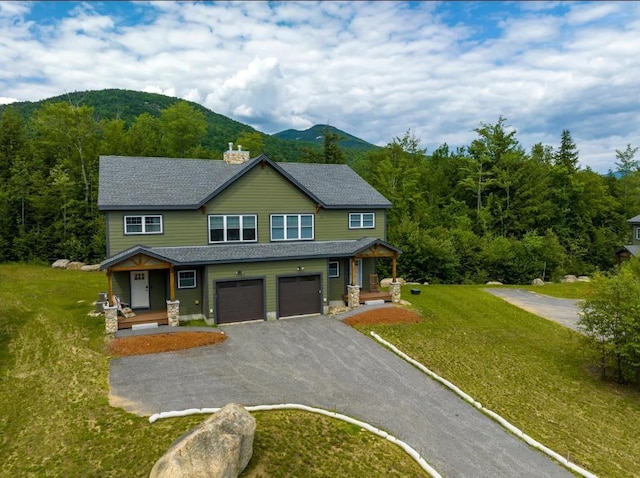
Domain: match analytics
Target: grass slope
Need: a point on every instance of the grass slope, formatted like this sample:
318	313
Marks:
531	371
55	419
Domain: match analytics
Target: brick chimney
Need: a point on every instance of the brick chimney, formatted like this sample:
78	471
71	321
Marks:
235	157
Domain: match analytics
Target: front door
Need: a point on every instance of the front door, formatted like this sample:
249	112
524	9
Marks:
139	289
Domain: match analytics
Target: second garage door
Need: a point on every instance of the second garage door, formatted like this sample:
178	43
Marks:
239	300
299	295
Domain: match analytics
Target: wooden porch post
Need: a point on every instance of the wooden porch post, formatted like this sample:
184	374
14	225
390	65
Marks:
172	284
109	285
353	271
393	266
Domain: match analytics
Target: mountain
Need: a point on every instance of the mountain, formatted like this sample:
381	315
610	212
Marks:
315	134
128	104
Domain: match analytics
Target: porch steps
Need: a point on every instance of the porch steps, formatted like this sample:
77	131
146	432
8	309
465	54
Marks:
147	325
143	318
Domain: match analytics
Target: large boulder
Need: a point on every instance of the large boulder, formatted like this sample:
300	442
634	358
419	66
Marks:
90	268
569	278
75	266
388	280
221	447
537	281
494	282
584	279
60	264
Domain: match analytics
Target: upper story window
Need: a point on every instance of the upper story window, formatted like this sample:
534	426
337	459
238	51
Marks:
187	279
233	228
143	224
291	227
362	220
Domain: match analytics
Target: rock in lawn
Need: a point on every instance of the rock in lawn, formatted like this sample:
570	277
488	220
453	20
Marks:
90	268
221	447
493	282
388	280
60	264
569	278
537	281
75	266
584	279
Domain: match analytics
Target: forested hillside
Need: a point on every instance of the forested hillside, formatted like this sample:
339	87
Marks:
127	105
488	211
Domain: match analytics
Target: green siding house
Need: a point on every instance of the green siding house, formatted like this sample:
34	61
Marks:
239	239
633	249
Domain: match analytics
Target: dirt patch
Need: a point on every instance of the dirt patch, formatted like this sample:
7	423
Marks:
389	315
157	343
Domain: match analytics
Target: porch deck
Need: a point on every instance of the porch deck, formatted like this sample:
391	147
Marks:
146	317
365	296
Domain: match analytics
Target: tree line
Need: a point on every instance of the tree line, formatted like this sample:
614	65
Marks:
486	211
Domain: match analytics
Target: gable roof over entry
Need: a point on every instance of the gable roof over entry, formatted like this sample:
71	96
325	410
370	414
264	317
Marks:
168	183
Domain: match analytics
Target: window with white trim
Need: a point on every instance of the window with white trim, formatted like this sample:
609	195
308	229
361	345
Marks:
334	269
233	228
638	233
143	224
291	227
362	220
187	279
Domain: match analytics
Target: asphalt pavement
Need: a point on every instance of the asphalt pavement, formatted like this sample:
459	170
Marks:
321	362
562	311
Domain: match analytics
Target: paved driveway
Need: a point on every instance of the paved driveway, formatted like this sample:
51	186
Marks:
321	362
562	311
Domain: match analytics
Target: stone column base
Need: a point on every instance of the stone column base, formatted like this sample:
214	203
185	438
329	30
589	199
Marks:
173	313
110	318
394	288
353	294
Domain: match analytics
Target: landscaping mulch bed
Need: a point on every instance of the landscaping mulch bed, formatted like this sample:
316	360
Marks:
157	343
389	315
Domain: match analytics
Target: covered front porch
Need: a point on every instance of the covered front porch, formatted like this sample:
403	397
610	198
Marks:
356	293
140	290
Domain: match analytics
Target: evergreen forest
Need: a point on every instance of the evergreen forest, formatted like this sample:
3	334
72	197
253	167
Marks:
490	210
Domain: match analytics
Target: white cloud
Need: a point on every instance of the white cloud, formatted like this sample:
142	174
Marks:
5	101
374	69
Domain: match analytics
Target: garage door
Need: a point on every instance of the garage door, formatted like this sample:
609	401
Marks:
299	295
239	300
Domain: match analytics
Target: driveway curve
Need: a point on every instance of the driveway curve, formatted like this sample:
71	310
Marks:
562	311
321	362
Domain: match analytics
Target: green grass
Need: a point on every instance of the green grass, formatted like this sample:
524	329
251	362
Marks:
55	419
533	372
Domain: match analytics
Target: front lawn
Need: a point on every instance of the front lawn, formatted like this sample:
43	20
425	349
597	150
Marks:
531	371
55	418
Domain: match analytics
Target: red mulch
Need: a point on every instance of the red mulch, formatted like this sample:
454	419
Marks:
389	315
156	343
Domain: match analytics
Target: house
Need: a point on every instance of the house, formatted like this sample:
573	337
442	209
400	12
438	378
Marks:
633	249
239	239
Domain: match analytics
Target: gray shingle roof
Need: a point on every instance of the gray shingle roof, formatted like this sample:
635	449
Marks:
230	253
168	183
633	250
635	219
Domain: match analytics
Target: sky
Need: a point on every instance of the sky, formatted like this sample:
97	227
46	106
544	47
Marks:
372	69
